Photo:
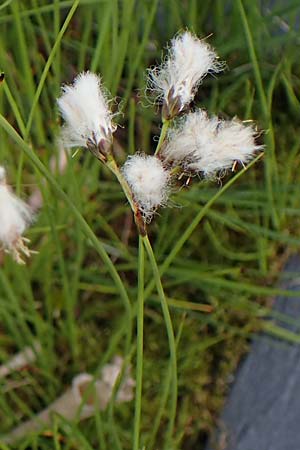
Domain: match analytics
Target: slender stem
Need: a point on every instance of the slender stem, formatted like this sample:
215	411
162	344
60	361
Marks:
48	65
252	53
14	107
164	394
112	165
69	302
163	133
271	172
170	332
140	345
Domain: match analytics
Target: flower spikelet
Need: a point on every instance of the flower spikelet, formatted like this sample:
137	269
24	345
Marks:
15	216
208	145
149	182
84	106
177	79
193	131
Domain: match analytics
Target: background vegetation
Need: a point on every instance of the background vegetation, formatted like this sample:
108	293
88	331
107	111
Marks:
221	246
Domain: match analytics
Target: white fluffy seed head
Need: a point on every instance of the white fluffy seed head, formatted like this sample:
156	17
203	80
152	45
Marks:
208	145
188	62
193	131
84	107
149	182
15	216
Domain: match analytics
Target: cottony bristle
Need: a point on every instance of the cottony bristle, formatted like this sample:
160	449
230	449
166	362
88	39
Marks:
175	82
84	107
15	216
208	145
149	182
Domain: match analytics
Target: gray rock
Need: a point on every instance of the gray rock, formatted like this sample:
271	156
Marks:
263	408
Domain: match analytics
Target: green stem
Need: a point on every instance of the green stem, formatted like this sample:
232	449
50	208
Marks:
83	224
170	333
271	163
112	165
23	47
48	65
140	344
164	395
253	57
69	303
163	133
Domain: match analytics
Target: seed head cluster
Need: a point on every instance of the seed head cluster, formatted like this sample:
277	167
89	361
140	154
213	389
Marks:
191	142
195	143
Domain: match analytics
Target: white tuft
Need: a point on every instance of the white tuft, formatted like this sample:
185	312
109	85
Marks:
149	182
208	145
84	107
15	216
194	131
188	62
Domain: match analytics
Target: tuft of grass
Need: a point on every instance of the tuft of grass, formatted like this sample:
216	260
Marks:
219	249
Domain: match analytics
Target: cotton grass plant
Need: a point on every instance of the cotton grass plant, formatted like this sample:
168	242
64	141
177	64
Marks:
77	297
200	145
197	144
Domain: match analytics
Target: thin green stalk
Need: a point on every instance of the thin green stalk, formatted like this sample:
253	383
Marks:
19	328
111	420
170	333
271	164
112	165
252	53
14	106
56	26
23	54
98	246
164	395
70	304
100	430
56	434
40	19
140	53
140	344
106	15
163	133
48	65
